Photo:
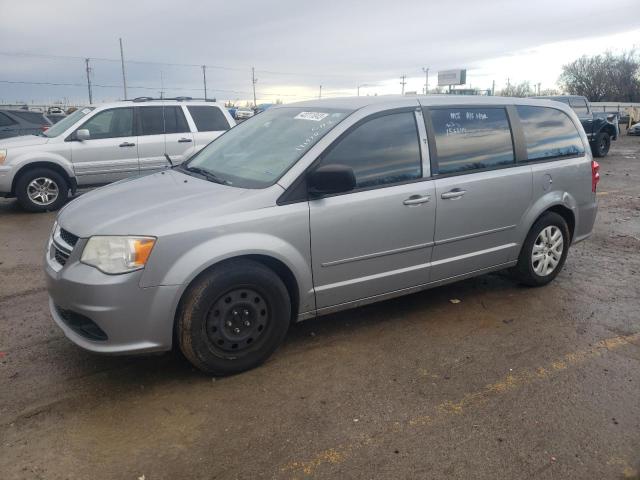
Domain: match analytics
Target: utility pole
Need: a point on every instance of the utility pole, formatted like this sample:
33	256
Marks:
320	94
254	80
538	88
403	82
493	88
426	80
88	69
204	79
161	85
124	76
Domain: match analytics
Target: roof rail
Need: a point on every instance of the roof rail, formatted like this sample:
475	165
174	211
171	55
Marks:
176	99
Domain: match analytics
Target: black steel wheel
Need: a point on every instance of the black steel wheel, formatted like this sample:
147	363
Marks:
601	145
233	317
236	320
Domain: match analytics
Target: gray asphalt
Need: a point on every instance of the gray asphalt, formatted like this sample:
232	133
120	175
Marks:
509	383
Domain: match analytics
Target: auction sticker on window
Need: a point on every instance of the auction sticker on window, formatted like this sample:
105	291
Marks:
315	116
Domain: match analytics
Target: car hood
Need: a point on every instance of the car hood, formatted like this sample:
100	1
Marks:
158	204
23	141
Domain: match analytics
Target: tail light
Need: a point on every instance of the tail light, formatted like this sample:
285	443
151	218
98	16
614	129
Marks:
595	175
44	128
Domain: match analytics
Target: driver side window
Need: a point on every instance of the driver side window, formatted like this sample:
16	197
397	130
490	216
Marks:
114	123
381	151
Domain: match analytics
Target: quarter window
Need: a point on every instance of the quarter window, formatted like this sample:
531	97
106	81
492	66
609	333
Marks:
208	119
381	151
470	139
549	133
117	122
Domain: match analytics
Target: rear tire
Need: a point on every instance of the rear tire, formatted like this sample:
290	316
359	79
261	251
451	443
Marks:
601	145
544	251
233	317
41	190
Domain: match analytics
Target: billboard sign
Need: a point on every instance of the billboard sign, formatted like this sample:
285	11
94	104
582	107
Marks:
452	77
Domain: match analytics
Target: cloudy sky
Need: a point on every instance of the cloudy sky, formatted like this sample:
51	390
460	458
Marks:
295	46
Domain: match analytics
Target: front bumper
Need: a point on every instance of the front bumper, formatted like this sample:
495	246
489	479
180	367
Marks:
134	319
6	180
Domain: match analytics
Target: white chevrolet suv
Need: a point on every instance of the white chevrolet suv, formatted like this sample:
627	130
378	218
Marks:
100	144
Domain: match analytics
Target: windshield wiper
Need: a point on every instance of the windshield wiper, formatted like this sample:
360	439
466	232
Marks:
212	177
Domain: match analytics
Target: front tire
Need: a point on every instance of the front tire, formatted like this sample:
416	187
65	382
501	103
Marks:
601	145
544	251
233	317
41	190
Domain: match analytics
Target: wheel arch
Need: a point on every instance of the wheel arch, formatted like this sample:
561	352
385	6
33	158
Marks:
56	167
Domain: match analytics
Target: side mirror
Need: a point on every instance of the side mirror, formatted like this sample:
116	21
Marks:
329	179
83	134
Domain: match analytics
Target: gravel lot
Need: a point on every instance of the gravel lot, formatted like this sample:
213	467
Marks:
509	383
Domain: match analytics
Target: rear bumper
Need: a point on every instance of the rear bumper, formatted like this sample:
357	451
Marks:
586	219
134	319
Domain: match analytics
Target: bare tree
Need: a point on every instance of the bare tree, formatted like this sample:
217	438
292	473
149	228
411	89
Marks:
522	89
605	77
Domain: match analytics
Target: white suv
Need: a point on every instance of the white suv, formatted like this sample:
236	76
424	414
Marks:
97	145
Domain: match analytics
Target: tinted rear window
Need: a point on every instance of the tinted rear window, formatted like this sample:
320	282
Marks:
32	117
471	139
151	121
208	119
175	121
549	133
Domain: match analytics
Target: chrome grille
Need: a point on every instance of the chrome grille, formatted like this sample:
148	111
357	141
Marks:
60	255
62	244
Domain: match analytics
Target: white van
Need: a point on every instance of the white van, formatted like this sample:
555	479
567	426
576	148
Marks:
100	144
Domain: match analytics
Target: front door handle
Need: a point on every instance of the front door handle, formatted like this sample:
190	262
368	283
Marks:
127	144
455	193
416	200
185	140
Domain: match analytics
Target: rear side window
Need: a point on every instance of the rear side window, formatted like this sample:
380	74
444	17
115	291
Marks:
5	120
549	133
382	151
468	139
175	121
32	117
151	121
208	119
579	105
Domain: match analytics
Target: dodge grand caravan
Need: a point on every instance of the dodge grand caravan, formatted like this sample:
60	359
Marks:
101	144
316	207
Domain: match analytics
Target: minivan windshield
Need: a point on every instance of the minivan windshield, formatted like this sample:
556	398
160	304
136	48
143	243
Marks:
256	153
60	127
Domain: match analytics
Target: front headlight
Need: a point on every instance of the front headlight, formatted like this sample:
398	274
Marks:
117	254
3	155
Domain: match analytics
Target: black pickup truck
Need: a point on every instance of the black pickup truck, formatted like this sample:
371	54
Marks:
600	128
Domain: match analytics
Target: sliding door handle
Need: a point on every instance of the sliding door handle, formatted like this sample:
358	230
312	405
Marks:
455	193
416	200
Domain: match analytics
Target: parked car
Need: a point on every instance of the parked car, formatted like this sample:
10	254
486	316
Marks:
634	129
55	118
22	122
97	145
601	127
244	112
317	207
232	111
262	107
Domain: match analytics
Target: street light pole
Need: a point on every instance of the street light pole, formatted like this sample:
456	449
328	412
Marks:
204	79
124	76
426	80
254	80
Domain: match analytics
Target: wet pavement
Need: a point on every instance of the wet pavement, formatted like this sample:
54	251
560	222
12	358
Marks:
511	382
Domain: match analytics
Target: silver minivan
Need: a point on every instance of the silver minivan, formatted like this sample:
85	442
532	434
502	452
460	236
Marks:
316	207
100	144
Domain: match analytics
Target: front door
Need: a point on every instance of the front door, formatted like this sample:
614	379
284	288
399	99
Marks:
178	139
111	152
482	194
378	238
